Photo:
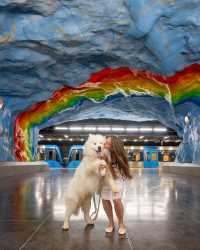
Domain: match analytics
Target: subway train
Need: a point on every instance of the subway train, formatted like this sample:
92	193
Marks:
53	156
147	156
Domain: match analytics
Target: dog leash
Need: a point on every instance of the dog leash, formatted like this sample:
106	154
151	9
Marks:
94	215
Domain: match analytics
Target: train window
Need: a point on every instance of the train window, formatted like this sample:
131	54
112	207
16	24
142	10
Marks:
147	156
74	155
51	155
166	157
154	156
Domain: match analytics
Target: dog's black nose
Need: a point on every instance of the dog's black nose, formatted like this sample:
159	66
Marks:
99	148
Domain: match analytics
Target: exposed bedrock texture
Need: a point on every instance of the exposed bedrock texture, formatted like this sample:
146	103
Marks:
48	44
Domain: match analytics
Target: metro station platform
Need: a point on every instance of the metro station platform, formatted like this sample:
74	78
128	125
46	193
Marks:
162	212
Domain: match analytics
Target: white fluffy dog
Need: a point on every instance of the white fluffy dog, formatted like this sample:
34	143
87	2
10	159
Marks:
87	180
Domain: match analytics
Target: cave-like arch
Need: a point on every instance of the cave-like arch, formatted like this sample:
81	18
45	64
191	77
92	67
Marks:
182	87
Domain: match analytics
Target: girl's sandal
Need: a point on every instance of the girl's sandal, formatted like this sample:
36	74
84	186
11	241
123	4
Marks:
109	229
122	231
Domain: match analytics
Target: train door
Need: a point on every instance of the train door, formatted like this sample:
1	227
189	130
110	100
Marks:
150	156
75	156
51	154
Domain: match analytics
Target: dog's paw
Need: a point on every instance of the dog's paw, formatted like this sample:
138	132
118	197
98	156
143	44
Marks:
103	171
65	228
102	163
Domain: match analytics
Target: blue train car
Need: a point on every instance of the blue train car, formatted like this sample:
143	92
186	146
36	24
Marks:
150	157
75	156
51	154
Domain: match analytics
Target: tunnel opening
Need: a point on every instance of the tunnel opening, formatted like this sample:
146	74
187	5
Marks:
136	136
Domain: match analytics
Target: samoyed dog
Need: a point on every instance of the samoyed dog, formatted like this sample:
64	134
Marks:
87	180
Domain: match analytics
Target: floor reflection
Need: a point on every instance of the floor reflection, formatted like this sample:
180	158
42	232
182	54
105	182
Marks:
159	210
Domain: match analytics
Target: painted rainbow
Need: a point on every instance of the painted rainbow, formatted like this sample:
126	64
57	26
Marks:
179	88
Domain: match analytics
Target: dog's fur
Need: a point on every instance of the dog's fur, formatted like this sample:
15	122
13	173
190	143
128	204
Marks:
87	180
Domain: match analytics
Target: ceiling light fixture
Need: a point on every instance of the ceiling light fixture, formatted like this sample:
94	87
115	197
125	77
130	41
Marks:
145	129
74	128
132	129
103	129
61	128
89	128
159	129
118	129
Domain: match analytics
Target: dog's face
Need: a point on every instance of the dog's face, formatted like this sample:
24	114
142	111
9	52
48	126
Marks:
94	144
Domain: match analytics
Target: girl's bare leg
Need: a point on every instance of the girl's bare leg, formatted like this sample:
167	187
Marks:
108	210
119	210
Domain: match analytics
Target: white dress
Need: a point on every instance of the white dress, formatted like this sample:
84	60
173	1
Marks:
106	192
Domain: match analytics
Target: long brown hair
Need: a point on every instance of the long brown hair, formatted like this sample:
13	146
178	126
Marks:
119	155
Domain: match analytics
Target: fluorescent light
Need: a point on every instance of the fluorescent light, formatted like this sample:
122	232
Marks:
132	147
60	139
61	128
136	140
141	148
166	137
41	136
75	128
82	139
117	129
141	137
159	129
49	139
161	148
104	128
132	129
171	148
89	128
71	139
66	136
124	139
146	140
145	129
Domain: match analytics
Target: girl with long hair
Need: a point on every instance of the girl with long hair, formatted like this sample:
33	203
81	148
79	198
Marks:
117	160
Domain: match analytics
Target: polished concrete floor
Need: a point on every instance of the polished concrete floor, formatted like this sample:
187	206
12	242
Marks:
162	212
